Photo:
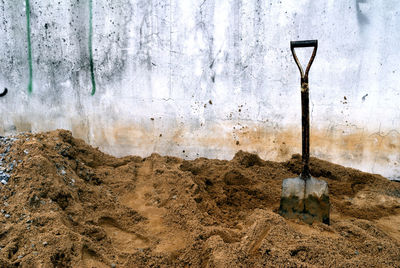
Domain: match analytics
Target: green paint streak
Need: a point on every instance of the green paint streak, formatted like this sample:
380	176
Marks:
28	28
91	46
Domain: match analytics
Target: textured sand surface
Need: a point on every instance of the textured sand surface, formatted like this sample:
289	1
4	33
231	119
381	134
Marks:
72	205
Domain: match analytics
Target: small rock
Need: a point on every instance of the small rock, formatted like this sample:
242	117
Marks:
7	216
20	257
45	243
26	151
4	182
113	265
357	252
3	211
63	172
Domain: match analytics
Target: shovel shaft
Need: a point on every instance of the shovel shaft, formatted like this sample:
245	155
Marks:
305	100
305	122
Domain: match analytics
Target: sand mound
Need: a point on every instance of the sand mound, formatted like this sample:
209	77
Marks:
65	203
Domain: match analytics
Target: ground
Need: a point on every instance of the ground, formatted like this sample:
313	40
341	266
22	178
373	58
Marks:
66	204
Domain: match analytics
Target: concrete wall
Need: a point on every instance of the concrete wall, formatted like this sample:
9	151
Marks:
207	78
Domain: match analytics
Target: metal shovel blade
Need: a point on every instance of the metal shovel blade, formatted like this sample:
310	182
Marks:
307	200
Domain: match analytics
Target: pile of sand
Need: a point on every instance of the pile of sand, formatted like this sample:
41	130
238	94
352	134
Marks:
68	204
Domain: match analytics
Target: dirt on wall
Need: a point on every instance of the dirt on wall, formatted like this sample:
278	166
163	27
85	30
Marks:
66	204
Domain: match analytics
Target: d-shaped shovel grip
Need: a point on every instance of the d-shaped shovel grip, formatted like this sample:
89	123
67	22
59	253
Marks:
306	43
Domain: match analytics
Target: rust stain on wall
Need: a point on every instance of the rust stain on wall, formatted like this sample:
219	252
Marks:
372	152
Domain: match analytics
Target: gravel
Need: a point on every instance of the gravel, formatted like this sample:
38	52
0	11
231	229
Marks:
6	164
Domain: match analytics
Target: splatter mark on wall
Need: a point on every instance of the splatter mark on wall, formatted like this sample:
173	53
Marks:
91	46
28	30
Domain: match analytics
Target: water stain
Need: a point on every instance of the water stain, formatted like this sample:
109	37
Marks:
362	18
371	152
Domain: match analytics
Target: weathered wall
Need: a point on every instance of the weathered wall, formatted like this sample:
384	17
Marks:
206	78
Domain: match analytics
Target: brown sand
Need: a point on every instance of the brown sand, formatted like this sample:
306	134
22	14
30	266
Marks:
72	205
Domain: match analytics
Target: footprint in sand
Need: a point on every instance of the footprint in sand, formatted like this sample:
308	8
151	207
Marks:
123	240
170	239
89	259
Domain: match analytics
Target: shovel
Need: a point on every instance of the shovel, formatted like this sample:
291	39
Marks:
305	197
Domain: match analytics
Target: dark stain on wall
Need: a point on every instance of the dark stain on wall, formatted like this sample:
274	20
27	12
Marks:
91	47
362	19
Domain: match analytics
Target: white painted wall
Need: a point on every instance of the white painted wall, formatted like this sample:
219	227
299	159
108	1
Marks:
167	59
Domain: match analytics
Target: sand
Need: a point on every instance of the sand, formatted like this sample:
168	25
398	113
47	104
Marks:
71	205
